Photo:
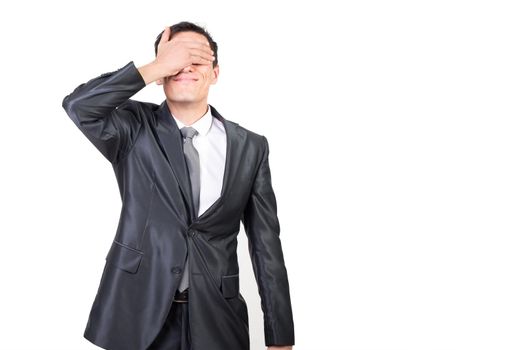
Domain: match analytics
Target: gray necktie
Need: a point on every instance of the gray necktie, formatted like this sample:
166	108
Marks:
193	165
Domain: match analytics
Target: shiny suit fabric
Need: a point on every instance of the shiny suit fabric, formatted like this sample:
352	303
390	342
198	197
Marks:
157	230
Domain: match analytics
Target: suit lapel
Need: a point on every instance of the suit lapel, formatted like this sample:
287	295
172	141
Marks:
171	142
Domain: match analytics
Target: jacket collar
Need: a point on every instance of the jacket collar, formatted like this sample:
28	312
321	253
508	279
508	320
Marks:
202	125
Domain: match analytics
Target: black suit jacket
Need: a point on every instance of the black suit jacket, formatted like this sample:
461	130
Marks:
156	229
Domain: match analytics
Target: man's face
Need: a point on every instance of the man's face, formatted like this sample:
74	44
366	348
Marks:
192	83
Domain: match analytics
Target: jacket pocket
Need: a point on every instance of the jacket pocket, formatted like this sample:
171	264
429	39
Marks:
124	257
230	285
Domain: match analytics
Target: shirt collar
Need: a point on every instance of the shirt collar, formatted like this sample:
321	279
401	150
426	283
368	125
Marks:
202	125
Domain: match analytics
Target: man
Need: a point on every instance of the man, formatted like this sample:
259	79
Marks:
187	178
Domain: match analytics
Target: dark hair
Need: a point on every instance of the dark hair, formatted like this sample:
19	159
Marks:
190	27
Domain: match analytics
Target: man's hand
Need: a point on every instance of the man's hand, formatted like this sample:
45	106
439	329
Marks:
175	55
280	348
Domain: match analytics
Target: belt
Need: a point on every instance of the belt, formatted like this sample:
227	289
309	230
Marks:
181	297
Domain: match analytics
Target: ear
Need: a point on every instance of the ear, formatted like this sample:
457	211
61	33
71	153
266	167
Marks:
215	73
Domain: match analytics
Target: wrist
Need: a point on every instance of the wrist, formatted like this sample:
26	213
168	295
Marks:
151	71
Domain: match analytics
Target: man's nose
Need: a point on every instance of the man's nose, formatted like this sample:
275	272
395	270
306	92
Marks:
188	68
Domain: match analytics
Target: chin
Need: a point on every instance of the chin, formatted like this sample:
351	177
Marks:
181	97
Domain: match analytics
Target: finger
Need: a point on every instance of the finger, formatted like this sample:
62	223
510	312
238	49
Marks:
202	60
197	45
207	54
198	59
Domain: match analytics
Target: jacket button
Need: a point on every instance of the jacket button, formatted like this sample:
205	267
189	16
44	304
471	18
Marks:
192	233
176	270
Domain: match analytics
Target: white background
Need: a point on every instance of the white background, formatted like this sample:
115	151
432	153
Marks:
396	150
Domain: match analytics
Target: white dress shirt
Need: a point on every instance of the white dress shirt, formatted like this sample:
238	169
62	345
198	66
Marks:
210	142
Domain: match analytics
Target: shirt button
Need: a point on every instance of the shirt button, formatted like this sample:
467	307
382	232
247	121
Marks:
192	233
176	270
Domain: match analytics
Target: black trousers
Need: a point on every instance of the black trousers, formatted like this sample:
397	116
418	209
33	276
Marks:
174	334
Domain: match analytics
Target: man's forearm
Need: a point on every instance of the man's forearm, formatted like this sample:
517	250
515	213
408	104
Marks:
98	97
103	111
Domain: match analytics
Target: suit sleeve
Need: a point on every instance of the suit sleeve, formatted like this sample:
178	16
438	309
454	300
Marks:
103	111
263	232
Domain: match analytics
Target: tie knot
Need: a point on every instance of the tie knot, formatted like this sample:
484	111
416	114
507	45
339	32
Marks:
188	132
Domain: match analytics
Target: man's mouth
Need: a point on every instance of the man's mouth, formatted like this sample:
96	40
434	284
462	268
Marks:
184	78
